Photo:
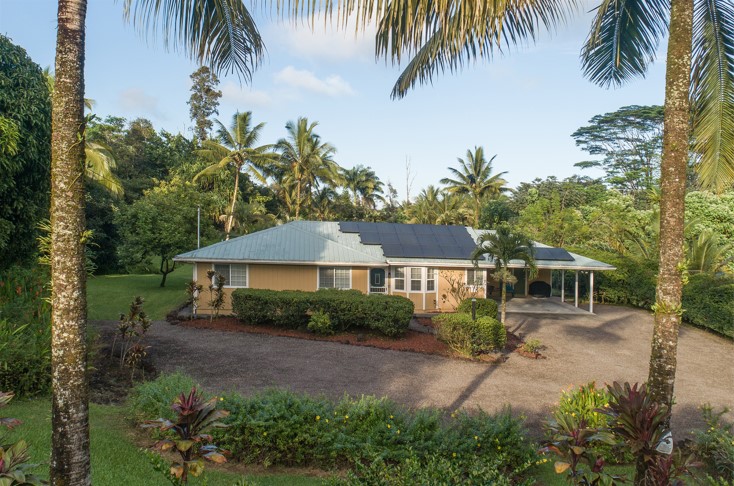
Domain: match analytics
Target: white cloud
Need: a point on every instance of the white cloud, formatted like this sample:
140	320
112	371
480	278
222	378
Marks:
333	85
245	97
136	100
329	43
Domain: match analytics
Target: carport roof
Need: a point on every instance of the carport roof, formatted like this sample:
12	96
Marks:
318	242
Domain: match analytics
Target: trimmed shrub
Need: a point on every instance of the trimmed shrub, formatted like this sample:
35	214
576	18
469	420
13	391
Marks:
714	445
320	323
484	308
387	314
708	301
469	337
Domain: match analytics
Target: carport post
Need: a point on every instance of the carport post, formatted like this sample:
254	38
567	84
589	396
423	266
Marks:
576	291
563	286
591	292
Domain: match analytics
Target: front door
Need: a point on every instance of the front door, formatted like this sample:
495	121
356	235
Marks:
378	285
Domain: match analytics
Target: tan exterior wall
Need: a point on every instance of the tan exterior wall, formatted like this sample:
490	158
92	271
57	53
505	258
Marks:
283	277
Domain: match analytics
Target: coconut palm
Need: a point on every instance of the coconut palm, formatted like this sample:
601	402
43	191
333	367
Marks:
474	178
305	161
504	245
365	186
234	149
220	33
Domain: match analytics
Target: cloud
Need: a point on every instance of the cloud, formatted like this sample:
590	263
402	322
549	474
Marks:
236	95
329	43
333	85
136	100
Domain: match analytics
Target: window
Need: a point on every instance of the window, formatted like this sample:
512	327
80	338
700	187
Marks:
335	278
399	279
416	279
235	274
475	277
430	279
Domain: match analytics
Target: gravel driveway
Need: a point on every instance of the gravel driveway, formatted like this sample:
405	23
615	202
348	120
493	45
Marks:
612	345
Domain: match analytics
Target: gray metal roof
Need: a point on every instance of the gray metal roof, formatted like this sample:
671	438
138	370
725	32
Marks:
303	242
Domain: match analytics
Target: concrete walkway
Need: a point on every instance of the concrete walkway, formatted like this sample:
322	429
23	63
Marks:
613	345
550	305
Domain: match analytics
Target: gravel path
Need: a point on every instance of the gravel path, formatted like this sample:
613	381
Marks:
613	345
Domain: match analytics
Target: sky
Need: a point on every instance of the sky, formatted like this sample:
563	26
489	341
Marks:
521	106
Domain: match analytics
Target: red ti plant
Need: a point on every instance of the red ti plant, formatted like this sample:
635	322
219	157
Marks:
642	425
194	416
573	441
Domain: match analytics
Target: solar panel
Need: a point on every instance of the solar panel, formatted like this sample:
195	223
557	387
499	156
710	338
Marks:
414	240
554	254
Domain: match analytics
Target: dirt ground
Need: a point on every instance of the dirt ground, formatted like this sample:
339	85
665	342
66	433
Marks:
612	345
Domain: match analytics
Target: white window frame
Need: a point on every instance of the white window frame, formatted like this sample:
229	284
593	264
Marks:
396	278
434	279
228	283
318	277
420	279
473	285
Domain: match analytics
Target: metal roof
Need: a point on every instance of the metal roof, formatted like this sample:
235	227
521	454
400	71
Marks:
309	242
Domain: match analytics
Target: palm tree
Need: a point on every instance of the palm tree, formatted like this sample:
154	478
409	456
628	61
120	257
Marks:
504	245
308	159
364	184
235	149
221	33
474	177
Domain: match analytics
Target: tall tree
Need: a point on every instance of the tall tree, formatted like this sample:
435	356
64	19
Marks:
25	136
204	101
504	245
308	158
474	178
235	149
630	140
364	184
221	33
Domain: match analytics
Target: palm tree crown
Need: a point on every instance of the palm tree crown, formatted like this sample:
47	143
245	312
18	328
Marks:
474	178
234	148
364	184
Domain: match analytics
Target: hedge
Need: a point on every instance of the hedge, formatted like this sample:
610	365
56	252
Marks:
470	337
387	314
708	301
484	307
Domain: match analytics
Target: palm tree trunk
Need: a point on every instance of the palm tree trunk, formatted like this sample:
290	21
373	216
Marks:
298	197
503	300
70	414
476	213
672	203
230	220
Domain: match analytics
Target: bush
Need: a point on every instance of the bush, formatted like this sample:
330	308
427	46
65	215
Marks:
154	398
484	307
469	337
320	323
283	428
25	332
387	314
714	446
708	301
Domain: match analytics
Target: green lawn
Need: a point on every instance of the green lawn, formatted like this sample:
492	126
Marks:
110	295
116	460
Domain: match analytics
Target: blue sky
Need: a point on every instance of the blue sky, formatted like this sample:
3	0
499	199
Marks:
522	106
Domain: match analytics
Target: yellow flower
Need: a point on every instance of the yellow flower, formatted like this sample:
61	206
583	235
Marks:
318	417
476	437
327	421
389	426
391	416
398	431
479	445
221	399
264	434
454	454
346	417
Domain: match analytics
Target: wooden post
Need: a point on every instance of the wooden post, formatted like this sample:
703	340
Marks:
576	291
563	286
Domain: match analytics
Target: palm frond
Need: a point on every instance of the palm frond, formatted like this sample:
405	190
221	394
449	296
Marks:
713	93
220	33
623	40
98	167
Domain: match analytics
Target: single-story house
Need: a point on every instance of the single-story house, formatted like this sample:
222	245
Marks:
418	261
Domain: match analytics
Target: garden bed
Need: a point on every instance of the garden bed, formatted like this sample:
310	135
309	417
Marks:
411	341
